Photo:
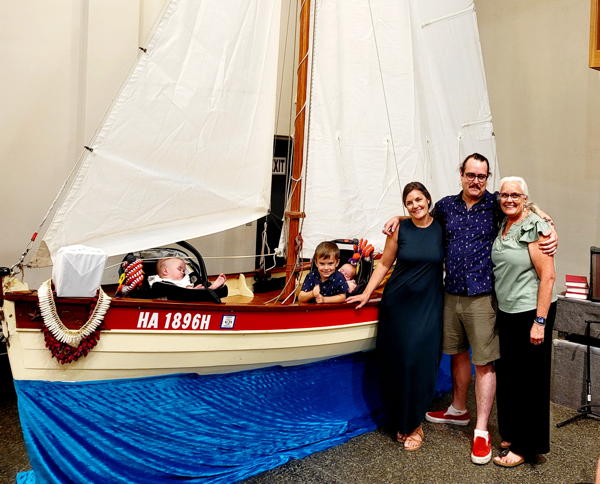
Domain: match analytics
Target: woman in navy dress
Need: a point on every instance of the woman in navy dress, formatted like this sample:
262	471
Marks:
410	316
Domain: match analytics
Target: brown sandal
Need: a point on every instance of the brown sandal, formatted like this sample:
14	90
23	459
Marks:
502	462
400	437
415	437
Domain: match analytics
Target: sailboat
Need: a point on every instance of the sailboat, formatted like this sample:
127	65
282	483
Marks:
388	92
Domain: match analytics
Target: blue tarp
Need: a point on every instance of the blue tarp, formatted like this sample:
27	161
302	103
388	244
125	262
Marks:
198	428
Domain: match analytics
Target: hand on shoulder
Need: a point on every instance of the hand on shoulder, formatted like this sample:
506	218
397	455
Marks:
391	225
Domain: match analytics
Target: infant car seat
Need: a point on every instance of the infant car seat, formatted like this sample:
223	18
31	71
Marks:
162	289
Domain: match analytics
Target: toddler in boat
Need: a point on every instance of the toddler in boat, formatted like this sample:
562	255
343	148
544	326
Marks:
172	269
349	271
325	284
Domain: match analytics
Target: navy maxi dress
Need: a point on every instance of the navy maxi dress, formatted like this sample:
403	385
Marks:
409	333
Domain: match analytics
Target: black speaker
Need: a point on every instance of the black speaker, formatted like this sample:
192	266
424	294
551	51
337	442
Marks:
595	274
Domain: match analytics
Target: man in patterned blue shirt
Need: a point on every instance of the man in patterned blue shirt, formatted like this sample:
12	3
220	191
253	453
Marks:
470	221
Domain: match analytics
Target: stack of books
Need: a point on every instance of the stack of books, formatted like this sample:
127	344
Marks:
577	287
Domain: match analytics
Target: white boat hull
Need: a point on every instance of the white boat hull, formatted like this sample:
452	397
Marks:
130	353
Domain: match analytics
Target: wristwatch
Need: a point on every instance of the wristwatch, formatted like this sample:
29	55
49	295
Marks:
539	320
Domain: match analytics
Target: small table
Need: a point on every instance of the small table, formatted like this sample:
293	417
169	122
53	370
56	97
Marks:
572	313
578	320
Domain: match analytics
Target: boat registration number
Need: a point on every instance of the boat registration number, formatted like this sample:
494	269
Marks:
185	321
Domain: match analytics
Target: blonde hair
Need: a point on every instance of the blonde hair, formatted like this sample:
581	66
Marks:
161	262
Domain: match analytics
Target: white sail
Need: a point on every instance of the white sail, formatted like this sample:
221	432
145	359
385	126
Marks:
398	94
186	149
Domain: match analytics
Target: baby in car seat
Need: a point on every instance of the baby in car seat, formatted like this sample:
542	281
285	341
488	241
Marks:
349	271
172	269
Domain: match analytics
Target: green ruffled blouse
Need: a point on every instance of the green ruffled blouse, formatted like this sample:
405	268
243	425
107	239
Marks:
516	280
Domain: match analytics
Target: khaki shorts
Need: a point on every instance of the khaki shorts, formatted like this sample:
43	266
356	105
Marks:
471	321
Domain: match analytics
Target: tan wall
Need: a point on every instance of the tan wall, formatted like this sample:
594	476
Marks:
546	107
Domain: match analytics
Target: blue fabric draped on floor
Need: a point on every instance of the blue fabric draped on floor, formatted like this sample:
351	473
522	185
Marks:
198	428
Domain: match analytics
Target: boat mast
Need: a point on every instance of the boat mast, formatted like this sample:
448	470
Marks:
294	214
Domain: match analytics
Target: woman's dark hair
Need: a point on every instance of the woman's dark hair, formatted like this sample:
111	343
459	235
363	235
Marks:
415	185
475	156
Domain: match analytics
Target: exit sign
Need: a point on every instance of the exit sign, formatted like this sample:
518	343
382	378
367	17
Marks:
279	165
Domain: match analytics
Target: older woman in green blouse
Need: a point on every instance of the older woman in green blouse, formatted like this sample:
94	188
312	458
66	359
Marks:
524	283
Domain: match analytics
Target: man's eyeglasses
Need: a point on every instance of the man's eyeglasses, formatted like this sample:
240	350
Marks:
514	196
480	176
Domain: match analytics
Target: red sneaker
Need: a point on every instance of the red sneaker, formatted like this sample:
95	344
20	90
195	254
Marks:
442	416
481	452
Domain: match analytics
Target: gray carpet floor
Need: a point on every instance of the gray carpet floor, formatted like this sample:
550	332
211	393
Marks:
376	458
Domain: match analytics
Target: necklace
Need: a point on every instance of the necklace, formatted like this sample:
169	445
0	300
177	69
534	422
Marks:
72	337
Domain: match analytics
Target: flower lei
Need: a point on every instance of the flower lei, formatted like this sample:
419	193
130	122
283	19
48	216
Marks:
68	345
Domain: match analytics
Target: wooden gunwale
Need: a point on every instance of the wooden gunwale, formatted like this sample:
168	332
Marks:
258	303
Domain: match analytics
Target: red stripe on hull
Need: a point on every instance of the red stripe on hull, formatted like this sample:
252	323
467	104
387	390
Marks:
269	319
197	317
